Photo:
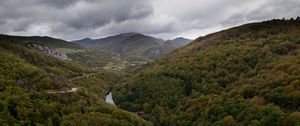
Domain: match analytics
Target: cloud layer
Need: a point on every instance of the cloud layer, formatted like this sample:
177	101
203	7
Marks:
75	19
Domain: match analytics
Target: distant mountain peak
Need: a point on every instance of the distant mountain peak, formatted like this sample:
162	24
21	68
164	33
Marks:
87	38
131	34
180	38
117	39
178	42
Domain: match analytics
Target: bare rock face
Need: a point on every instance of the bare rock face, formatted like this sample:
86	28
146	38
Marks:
50	51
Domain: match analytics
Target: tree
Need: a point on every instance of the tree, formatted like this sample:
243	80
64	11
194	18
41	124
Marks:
147	107
227	121
49	122
188	88
292	119
250	92
55	120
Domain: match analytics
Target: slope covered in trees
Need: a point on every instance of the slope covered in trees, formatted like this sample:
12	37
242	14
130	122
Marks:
47	41
247	75
25	76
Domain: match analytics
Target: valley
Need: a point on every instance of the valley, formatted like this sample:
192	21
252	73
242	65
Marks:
149	63
243	75
37	87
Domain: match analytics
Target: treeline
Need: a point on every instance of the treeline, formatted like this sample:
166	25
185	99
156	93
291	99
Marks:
247	75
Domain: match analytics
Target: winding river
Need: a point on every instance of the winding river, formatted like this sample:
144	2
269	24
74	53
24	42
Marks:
108	98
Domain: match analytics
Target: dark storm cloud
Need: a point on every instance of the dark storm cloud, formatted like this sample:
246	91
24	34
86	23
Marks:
74	19
45	16
100	13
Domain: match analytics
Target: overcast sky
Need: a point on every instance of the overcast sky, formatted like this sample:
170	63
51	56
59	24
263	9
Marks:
76	19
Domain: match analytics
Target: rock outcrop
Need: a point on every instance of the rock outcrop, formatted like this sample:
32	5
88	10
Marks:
50	51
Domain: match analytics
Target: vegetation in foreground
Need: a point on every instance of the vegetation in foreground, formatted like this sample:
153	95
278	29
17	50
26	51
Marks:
248	75
25	76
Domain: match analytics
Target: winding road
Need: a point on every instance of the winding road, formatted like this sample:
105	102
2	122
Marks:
62	91
69	90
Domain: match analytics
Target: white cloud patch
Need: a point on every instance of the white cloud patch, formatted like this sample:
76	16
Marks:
75	19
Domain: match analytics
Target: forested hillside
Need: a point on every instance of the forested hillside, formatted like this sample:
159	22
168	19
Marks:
46	41
27	75
247	75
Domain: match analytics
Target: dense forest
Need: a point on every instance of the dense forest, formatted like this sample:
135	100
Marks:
27	74
247	75
149	63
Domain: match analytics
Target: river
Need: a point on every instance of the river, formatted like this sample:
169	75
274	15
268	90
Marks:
108	99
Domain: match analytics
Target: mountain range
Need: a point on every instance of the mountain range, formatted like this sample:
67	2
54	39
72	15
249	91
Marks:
245	75
127	38
116	52
130	49
134	46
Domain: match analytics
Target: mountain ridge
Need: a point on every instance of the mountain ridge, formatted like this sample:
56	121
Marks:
85	41
91	43
216	79
46	40
134	46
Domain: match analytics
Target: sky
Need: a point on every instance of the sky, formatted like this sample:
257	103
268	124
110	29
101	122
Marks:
166	19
